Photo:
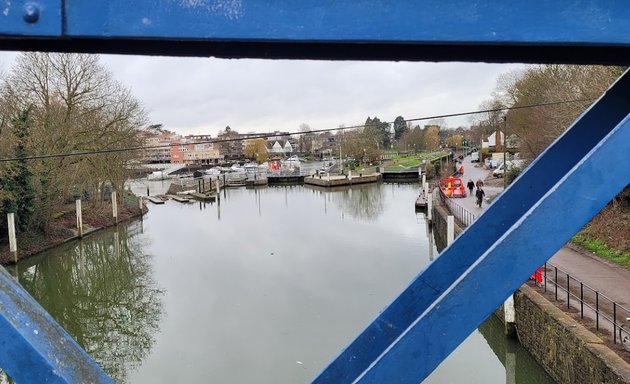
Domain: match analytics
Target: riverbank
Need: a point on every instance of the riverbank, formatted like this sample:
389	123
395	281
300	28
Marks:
63	228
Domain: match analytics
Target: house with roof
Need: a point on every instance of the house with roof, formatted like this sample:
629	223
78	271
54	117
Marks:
492	140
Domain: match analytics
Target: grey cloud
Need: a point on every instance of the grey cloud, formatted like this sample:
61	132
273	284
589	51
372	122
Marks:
203	95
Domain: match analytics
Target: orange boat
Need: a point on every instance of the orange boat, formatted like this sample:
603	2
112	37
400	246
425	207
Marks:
453	187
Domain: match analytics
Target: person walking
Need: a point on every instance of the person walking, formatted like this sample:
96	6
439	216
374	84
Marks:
471	185
479	183
480	195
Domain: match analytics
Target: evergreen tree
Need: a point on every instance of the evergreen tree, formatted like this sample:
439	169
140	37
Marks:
400	127
17	180
382	128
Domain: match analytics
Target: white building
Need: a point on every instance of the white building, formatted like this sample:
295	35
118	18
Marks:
490	141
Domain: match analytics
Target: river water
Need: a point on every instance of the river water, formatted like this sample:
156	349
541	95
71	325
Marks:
265	287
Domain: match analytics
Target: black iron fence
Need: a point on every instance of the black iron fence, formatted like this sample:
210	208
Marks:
589	302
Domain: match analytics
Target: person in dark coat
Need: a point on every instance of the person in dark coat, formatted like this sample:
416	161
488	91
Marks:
480	195
471	185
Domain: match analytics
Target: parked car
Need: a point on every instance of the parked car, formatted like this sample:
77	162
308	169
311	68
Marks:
498	172
474	157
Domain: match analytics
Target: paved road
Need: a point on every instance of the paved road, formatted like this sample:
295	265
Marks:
608	279
475	172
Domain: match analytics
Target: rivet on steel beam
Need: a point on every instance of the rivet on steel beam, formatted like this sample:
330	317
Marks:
30	12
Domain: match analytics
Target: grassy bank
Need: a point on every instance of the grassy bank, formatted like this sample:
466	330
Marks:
412	161
608	234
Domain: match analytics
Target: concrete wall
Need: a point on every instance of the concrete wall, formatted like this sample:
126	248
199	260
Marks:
568	351
564	348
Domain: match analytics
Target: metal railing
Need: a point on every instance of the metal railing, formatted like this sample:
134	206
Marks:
589	301
464	216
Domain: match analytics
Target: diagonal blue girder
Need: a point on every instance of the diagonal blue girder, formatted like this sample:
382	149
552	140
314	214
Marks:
541	176
34	348
530	242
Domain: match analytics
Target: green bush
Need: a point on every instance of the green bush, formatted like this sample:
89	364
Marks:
511	175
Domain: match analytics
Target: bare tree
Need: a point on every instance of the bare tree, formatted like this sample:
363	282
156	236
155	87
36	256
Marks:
75	106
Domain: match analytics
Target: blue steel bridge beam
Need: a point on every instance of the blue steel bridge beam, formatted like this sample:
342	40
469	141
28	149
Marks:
526	245
33	347
526	191
493	30
465	30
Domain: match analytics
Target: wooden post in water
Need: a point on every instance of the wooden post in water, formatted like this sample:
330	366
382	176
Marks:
219	187
510	316
450	229
424	184
114	207
199	186
430	207
148	191
79	218
12	238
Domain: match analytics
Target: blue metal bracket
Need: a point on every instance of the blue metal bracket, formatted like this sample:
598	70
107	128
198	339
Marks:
33	347
527	192
28	18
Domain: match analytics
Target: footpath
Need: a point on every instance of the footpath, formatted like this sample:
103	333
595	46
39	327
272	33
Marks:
610	280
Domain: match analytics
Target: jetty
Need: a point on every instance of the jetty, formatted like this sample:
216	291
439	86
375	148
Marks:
342	180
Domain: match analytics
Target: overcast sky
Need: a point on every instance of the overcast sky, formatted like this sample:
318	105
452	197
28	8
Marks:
203	95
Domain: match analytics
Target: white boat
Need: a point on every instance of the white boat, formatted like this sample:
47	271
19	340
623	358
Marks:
291	163
213	171
158	175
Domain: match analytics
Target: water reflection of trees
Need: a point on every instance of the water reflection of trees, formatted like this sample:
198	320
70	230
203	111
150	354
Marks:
520	366
361	201
101	290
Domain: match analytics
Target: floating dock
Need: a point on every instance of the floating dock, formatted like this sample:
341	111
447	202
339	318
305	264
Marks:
179	198
402	176
154	199
203	196
297	179
342	180
421	201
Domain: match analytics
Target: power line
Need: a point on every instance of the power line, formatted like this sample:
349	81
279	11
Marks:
267	135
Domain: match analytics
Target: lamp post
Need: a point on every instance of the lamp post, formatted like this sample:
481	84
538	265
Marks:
340	161
504	150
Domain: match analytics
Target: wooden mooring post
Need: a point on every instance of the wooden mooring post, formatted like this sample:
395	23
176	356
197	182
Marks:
450	229
509	312
12	237
79	218
114	207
